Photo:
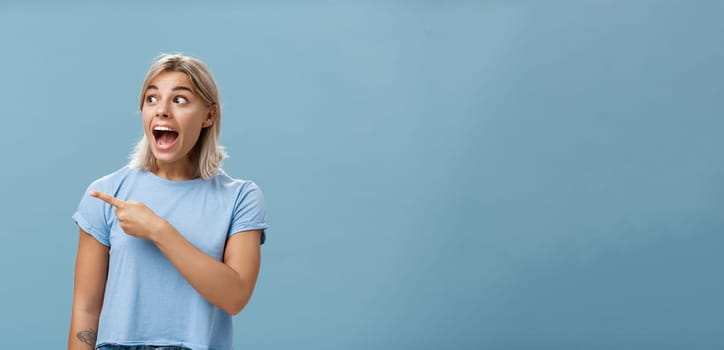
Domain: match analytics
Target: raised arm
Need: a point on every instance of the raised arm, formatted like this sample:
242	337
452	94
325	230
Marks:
91	271
227	284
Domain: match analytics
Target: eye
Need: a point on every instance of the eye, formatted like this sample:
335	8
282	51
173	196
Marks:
180	99
151	99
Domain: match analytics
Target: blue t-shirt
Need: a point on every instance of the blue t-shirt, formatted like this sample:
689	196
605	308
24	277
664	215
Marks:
146	300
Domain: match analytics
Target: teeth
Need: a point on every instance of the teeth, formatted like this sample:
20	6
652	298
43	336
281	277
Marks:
161	128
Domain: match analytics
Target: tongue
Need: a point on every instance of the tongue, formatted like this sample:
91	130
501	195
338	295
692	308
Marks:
167	138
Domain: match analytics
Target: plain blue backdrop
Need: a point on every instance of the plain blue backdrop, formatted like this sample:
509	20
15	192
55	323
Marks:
438	174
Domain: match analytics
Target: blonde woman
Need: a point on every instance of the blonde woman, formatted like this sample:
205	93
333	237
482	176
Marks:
169	245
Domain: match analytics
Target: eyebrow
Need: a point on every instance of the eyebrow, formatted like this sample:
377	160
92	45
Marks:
177	88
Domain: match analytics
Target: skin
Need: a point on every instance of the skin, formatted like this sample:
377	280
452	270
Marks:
170	100
227	284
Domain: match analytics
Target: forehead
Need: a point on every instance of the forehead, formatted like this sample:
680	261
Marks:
170	80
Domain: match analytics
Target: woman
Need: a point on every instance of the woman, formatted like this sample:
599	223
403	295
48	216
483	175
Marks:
169	245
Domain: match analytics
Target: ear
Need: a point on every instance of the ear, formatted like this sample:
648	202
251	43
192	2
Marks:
210	117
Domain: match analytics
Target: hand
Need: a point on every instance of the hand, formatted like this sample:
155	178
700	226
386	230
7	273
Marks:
135	218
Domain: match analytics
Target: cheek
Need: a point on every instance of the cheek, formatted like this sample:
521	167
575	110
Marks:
193	124
193	132
146	117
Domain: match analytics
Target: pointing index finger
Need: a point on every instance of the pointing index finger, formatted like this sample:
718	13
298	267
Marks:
107	198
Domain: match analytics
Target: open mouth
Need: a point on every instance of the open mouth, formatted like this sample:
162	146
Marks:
165	136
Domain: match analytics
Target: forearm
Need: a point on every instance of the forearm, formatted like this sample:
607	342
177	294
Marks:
215	281
91	268
83	330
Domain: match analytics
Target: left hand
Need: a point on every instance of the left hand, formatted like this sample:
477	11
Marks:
135	218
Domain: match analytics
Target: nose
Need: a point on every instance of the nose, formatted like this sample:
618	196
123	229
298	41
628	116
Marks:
161	110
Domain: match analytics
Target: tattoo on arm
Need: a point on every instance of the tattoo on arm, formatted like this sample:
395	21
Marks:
87	336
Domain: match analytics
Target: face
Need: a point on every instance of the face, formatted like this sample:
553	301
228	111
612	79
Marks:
173	116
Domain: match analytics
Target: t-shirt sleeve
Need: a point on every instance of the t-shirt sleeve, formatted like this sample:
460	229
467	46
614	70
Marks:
249	211
92	214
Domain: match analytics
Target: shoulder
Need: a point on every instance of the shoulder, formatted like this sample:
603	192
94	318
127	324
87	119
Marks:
114	179
249	211
240	186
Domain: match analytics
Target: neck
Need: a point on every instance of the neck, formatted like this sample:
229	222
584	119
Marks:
176	171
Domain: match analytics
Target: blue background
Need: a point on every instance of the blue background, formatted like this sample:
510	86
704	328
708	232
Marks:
439	174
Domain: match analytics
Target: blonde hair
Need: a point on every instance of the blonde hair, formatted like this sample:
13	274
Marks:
207	155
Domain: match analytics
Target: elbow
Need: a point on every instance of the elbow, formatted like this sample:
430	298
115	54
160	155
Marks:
234	307
237	300
232	311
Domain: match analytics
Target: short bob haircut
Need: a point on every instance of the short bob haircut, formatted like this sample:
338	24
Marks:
207	155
